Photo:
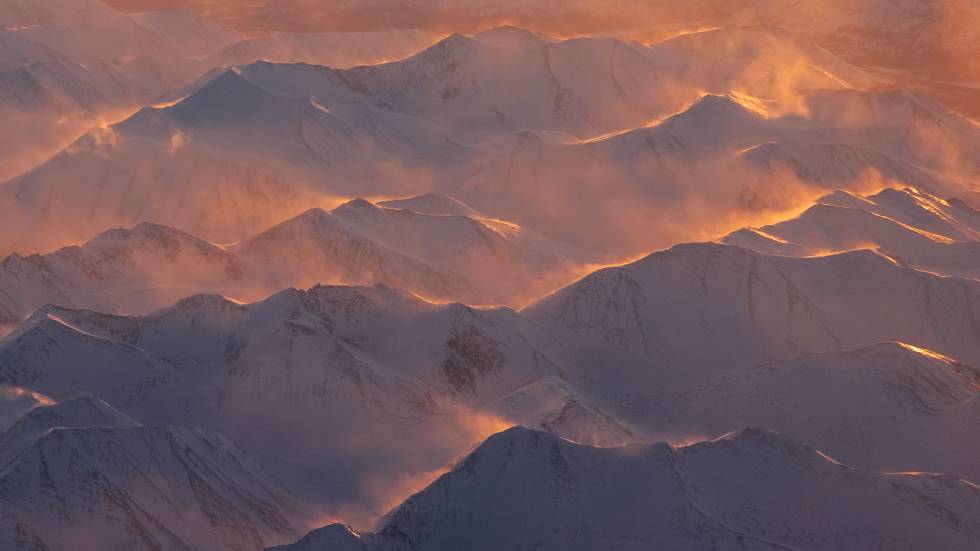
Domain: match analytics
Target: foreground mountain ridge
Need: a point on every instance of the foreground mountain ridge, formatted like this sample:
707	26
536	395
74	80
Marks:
577	497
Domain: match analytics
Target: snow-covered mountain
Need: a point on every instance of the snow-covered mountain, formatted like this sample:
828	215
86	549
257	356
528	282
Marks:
436	204
910	226
553	404
80	411
75	65
378	369
68	66
438	256
332	49
444	257
889	407
308	313
141	488
635	324
79	470
751	489
135	270
295	130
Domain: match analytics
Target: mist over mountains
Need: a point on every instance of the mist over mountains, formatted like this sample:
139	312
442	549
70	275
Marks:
389	276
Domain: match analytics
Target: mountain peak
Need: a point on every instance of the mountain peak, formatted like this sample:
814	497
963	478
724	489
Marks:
332	537
760	438
437	204
232	97
205	302
144	231
357	203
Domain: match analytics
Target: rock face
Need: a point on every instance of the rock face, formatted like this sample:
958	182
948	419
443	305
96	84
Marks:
742	491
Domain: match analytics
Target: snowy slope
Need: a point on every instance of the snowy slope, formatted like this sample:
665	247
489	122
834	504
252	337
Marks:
890	407
698	310
332	49
135	270
437	204
379	370
80	470
218	200
82	411
141	488
841	222
335	252
748	490
428	250
315	134
439	257
48	352
950	218
555	405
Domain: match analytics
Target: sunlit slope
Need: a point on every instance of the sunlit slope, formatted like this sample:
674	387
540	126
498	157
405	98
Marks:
253	146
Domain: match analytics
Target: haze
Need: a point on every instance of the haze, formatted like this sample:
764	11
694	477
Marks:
395	275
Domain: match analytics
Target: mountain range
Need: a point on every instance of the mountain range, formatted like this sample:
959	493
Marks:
256	142
437	254
745	490
392	276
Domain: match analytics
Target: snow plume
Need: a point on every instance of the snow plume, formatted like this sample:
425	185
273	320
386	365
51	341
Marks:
357	465
463	429
30	138
100	140
634	207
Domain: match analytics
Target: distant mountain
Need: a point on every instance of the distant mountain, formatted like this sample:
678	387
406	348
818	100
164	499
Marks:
63	69
901	223
439	257
442	257
135	270
27	13
279	138
436	204
332	49
747	490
